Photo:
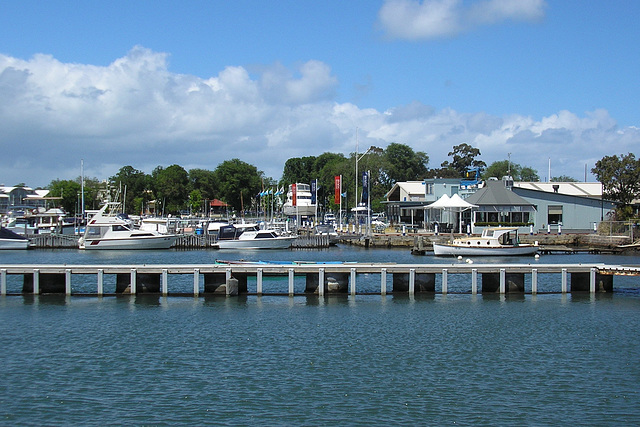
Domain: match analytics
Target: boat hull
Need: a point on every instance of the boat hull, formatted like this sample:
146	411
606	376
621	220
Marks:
271	243
147	242
10	244
455	250
304	210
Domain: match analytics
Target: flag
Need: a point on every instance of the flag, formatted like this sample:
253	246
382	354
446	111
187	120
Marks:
338	187
294	195
314	191
365	186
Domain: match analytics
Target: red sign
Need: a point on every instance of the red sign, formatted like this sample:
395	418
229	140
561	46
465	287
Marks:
294	195
338	185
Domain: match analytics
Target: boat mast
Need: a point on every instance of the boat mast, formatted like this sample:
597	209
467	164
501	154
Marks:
82	187
356	205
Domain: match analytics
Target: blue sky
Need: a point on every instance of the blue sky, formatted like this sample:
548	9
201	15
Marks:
195	83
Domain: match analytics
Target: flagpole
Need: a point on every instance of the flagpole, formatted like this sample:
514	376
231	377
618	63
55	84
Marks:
368	202
340	202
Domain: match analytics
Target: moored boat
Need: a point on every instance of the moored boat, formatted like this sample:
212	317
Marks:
303	206
250	236
11	240
494	241
109	230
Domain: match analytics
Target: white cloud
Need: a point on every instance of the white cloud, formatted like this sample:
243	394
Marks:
409	19
430	19
136	112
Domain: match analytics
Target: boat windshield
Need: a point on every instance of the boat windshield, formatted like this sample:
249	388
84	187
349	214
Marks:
507	238
96	231
266	235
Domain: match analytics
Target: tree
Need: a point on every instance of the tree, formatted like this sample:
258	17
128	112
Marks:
69	191
463	158
442	173
528	174
403	164
503	168
170	186
563	178
94	191
326	167
133	185
299	169
239	182
195	201
620	177
205	182
500	168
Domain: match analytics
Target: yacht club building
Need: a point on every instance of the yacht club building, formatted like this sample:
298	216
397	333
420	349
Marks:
573	206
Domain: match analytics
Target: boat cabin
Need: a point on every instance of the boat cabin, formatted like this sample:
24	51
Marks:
232	232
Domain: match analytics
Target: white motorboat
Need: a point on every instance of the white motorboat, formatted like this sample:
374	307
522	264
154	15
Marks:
21	225
250	236
11	240
109	230
494	241
303	207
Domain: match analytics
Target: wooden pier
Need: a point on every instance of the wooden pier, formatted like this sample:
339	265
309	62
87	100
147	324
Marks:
183	241
231	278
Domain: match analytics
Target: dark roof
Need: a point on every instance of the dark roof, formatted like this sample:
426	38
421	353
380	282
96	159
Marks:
495	193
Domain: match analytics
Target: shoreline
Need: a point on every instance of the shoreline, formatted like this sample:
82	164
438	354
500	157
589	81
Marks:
560	242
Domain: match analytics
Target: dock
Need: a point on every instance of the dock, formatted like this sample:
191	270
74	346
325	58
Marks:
183	241
232	278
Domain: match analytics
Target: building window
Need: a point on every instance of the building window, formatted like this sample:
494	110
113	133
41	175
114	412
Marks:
428	188
554	215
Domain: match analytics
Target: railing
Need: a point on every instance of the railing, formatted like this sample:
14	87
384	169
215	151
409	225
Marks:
618	228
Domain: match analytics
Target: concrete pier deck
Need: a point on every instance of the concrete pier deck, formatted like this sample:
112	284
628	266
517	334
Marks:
409	278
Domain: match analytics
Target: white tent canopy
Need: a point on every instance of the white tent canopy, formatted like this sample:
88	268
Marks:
458	202
441	203
454	203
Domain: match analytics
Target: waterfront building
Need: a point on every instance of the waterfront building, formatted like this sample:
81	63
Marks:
566	206
546	206
22	197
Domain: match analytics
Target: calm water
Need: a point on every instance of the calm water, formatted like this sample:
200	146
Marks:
273	360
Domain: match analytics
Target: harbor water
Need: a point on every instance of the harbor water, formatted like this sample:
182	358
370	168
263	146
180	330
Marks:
367	359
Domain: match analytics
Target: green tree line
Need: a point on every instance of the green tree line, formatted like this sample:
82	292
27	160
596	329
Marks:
173	189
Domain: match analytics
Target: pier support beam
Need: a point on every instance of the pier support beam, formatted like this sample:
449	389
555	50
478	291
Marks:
513	282
581	282
334	283
145	283
216	283
48	283
423	282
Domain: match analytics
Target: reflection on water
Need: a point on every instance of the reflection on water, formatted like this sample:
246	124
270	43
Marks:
333	360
